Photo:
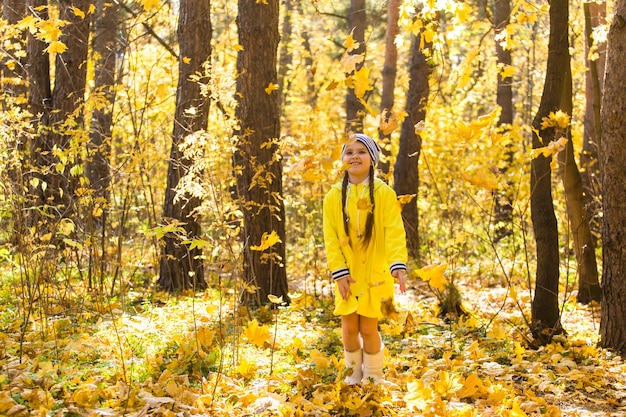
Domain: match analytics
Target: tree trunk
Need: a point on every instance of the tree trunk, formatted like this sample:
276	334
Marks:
613	316
546	321
105	48
389	83
286	54
356	24
584	245
595	15
406	174
256	161
503	208
181	266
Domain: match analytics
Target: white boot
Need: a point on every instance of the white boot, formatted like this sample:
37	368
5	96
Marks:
373	366
354	362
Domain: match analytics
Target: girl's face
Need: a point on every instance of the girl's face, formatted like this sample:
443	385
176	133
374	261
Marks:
357	161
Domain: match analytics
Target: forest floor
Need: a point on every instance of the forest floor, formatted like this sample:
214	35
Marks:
205	355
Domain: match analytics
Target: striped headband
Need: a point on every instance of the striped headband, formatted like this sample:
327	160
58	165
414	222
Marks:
372	147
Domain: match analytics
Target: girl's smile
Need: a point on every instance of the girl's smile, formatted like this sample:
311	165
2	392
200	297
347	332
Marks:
357	161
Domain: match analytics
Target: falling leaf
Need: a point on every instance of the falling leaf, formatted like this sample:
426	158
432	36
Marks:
482	177
349	62
434	275
553	148
275	300
405	199
351	44
78	12
556	119
186	60
271	87
267	241
332	85
149	5
362	83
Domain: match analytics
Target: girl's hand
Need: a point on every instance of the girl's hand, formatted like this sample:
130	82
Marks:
400	274
344	286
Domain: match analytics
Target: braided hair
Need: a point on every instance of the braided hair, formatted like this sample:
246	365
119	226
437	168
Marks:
369	223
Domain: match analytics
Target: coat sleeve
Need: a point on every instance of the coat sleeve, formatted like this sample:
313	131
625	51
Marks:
334	235
395	235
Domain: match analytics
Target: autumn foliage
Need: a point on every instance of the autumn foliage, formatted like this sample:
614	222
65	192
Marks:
85	330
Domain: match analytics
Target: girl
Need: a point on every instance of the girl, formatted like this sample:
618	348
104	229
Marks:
365	246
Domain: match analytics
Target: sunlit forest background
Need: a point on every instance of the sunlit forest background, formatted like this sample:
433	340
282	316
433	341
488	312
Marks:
86	330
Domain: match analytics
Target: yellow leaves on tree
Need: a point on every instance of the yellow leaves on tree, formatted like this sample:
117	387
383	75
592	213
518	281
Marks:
434	275
258	335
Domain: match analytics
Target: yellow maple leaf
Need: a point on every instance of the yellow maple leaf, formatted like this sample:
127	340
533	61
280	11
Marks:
553	147
258	335
350	61
205	337
362	82
149	4
556	119
472	386
462	11
271	87
390	121
56	47
482	177
406	198
186	60
351	44
434	275
267	241
506	71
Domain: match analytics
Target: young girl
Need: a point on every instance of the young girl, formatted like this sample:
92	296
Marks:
365	246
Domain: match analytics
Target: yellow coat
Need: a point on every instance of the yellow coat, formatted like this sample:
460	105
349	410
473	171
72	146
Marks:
370	268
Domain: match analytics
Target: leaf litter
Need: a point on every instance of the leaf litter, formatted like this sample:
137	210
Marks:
205	356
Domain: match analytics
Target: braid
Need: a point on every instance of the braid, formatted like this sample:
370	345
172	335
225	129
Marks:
344	188
369	225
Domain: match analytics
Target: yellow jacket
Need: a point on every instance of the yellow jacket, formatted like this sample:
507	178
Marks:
370	268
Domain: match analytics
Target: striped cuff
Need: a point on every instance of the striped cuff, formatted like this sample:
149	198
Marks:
340	273
397	265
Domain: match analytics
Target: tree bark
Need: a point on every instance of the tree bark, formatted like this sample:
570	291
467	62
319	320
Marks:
595	15
406	173
105	47
613	315
389	82
584	245
503	208
39	104
256	161
546	321
181	267
356	23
